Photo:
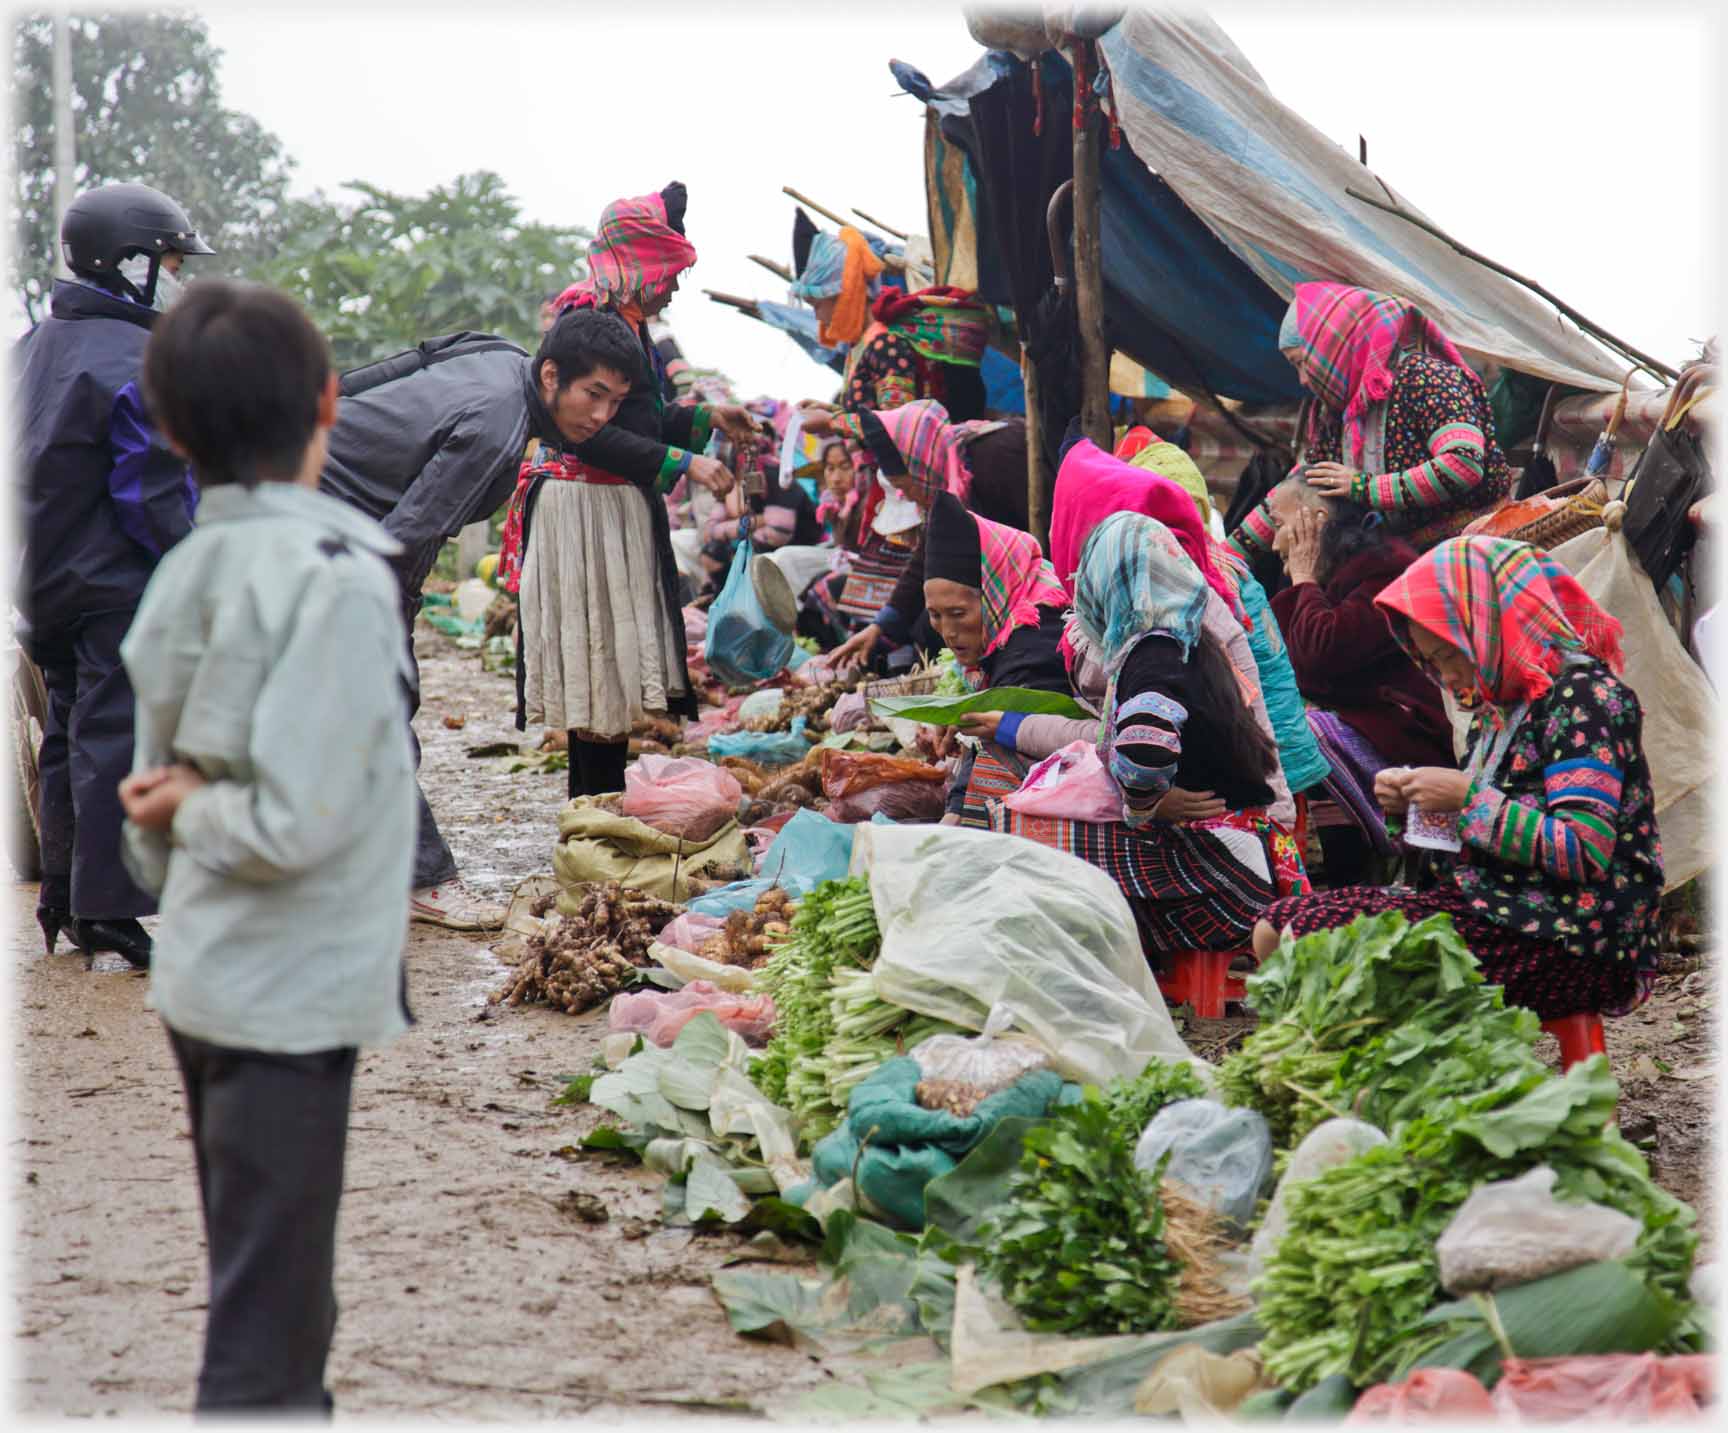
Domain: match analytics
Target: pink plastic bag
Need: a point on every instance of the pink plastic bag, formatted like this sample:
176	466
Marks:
658	1016
1071	784
680	795
688	931
1429	1395
1629	1388
695	625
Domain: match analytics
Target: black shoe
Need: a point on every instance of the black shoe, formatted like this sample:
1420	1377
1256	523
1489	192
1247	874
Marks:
53	921
125	937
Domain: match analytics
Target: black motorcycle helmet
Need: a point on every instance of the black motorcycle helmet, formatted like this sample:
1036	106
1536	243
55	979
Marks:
106	225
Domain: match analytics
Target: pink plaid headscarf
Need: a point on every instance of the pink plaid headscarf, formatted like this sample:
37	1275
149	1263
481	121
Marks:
636	253
1017	581
1348	338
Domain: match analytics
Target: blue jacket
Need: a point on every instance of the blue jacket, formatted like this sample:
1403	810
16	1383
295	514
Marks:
103	498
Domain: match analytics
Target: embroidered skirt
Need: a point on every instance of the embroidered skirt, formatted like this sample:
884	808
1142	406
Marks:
599	648
1539	976
1190	887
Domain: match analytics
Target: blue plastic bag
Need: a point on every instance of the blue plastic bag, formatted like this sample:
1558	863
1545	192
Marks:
765	748
743	647
739	896
808	850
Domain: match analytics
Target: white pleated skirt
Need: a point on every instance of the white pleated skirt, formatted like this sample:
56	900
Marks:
600	647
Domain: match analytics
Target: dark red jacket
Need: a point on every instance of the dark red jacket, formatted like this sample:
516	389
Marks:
1347	660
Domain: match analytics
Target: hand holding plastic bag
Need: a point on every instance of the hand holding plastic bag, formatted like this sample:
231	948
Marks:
972	919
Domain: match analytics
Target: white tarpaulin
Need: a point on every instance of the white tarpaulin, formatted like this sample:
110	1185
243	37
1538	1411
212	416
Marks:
1272	187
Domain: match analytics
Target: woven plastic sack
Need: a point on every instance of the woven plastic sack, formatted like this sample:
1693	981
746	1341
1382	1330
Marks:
1624	1388
680	795
659	1015
1071	784
1429	1395
847	773
1222	1156
973	919
595	845
743	646
1516	1230
986	1060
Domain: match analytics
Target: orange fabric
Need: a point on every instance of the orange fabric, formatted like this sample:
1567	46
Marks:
852	308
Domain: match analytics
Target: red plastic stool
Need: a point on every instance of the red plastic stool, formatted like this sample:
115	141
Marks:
1202	978
1580	1037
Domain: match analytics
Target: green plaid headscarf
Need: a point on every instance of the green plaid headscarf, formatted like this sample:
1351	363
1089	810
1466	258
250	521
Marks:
1135	580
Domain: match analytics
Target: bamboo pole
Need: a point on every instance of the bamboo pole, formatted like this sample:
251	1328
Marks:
1037	521
733	301
771	266
1596	331
810	203
1089	267
885	228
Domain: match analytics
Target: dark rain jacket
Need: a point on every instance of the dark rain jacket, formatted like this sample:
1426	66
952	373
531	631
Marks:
103	497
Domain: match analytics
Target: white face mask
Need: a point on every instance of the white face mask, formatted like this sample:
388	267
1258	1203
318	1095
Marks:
136	270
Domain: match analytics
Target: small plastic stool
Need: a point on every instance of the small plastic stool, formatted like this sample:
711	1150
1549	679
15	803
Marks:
1580	1037
1202	978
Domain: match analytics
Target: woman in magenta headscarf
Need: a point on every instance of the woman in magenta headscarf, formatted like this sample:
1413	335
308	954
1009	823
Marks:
1090	487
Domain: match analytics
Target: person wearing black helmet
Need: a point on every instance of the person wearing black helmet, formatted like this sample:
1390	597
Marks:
103	499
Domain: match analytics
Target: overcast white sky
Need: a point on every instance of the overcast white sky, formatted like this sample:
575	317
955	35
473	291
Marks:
1574	143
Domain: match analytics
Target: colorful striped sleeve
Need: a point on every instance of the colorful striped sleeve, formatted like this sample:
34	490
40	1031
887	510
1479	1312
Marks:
1255	535
1571	835
1146	748
1459	458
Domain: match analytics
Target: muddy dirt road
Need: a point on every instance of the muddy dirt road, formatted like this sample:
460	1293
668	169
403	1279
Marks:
470	1286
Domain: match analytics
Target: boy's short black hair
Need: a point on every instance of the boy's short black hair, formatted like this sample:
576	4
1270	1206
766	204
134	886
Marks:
584	339
233	373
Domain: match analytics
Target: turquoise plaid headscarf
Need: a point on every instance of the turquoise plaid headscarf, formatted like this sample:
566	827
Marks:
1135	580
823	270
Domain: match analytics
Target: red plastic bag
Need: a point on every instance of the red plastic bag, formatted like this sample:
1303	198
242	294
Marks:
680	795
1429	1395
1624	1387
847	773
905	801
659	1015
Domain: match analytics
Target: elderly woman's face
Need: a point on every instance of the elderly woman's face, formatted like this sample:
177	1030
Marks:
1457	672
654	305
957	614
1294	357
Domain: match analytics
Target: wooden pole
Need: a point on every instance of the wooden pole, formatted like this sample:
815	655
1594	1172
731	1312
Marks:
1037	523
733	301
1088	262
1643	360
65	143
885	228
810	203
771	266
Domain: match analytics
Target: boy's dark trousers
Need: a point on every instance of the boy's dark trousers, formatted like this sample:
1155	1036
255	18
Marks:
269	1132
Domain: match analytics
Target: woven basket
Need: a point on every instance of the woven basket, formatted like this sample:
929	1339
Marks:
899	687
1572	518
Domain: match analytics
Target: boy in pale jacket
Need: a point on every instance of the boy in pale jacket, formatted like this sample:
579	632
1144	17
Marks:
272	806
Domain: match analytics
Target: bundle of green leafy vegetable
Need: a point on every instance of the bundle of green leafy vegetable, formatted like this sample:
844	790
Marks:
1079	1246
1133	1102
949	681
831	1030
1375	1020
1349	1285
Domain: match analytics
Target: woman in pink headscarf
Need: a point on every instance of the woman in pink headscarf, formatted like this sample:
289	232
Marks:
587	539
1090	487
1400	423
